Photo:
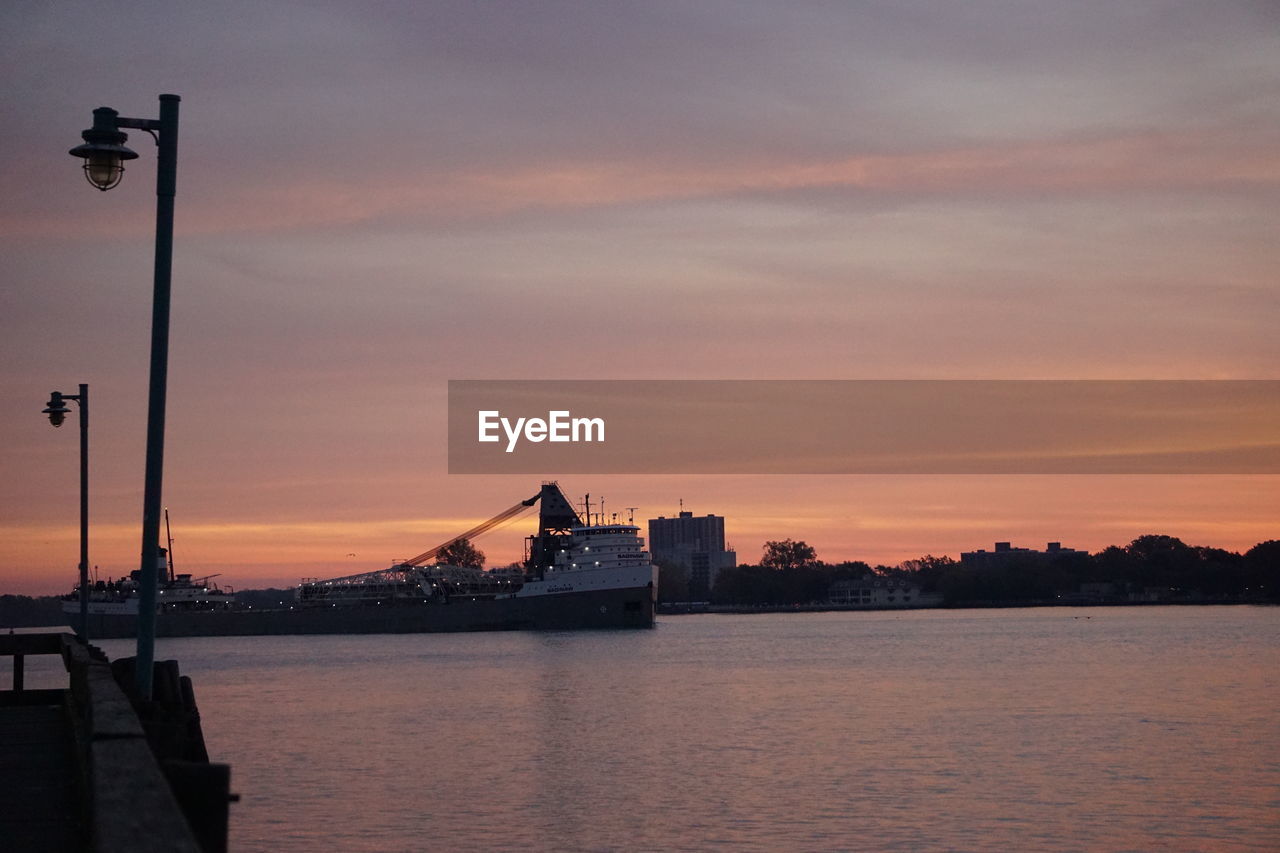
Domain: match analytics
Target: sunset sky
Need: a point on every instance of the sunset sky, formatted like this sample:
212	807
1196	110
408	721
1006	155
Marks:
376	198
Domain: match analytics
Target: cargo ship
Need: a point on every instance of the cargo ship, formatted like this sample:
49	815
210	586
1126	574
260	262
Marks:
591	573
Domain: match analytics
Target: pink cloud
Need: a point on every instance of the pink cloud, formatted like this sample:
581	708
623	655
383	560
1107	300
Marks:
1157	162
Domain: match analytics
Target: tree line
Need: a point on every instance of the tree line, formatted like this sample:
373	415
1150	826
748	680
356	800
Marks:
1154	566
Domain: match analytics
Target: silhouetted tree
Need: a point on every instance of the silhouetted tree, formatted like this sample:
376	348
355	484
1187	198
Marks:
1217	572
852	570
751	585
1158	560
1004	581
1264	552
1262	568
928	571
673	582
1115	565
791	574
1153	545
461	553
788	554
23	611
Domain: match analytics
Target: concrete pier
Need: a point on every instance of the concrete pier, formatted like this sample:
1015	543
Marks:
90	768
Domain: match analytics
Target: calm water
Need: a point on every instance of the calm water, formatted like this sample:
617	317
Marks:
1052	729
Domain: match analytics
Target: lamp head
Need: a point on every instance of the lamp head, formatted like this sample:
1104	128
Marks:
103	150
57	409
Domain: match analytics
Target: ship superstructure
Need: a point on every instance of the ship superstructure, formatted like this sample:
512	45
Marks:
176	592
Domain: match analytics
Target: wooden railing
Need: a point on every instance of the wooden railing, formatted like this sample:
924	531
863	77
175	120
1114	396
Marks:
131	795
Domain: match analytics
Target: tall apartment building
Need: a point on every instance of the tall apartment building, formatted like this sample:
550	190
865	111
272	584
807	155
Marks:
695	544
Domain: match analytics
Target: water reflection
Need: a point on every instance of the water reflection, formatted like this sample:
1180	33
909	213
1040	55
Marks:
1015	729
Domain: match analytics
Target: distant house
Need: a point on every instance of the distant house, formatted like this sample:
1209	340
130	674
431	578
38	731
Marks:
873	592
1092	592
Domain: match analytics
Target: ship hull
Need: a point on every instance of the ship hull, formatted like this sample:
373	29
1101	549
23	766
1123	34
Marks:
587	609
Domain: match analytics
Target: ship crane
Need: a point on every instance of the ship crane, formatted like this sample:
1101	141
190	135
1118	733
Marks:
398	570
556	520
498	520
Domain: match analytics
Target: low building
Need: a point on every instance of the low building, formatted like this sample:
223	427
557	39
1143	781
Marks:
1005	552
1092	592
873	592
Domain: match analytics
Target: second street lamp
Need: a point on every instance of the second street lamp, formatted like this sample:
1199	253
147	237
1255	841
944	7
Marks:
104	154
57	411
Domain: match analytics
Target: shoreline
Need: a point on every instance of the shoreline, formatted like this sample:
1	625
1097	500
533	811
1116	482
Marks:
735	609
